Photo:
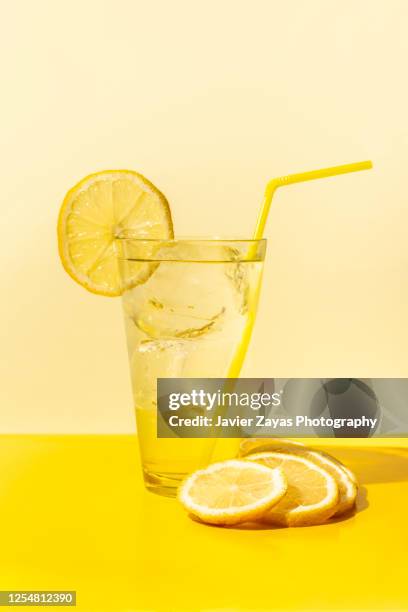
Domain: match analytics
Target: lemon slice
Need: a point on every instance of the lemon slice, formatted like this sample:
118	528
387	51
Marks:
347	486
312	494
261	445
232	492
94	213
344	477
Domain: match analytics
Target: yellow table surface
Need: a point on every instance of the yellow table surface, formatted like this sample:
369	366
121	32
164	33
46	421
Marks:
75	516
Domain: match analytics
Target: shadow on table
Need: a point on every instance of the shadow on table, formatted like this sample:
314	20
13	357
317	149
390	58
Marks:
361	505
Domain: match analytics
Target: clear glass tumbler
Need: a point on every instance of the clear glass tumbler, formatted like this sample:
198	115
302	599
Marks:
189	308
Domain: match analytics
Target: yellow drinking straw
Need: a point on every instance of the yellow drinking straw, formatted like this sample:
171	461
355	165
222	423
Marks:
300	178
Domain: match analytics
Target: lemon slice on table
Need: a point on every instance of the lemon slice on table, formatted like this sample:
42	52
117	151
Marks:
231	492
248	446
312	494
95	212
344	477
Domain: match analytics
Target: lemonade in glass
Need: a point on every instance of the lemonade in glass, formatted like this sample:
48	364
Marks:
191	317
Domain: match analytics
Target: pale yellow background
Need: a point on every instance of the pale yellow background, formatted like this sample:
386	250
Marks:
209	100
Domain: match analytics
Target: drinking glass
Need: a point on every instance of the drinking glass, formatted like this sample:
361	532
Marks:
189	308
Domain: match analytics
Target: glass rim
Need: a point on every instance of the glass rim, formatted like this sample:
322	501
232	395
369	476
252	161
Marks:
128	235
138	249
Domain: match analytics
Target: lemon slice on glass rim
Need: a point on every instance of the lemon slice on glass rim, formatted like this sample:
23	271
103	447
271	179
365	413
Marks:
94	213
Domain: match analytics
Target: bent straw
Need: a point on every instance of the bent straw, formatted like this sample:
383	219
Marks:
300	178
